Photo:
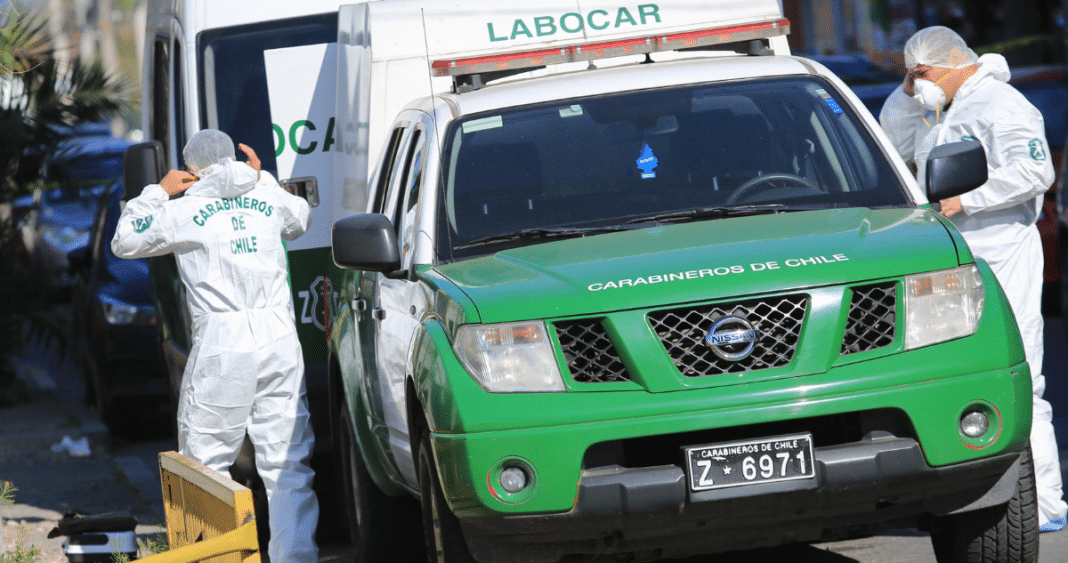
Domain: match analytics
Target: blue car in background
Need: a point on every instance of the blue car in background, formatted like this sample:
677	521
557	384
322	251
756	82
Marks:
61	214
115	331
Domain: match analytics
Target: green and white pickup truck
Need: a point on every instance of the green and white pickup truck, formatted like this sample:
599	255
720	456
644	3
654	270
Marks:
675	306
609	280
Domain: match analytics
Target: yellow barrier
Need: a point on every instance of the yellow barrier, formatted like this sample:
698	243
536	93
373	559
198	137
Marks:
210	517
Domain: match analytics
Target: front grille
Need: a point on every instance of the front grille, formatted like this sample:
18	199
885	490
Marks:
590	355
872	318
778	320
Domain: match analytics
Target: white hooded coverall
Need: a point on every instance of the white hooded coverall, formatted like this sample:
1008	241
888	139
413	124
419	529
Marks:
245	370
998	218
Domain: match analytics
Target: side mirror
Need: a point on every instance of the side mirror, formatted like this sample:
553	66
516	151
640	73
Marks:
954	169
142	164
365	242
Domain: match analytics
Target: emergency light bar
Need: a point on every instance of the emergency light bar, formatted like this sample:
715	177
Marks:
607	49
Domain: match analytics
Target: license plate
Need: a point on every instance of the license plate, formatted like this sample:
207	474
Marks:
747	462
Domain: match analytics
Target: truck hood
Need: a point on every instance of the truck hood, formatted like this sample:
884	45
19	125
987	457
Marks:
704	260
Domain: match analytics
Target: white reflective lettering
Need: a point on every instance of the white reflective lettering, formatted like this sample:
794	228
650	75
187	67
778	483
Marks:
705	466
305	311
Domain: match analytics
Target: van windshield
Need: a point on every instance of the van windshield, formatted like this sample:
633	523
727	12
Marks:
633	159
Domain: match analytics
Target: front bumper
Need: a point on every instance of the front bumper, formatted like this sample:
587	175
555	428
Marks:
895	458
650	513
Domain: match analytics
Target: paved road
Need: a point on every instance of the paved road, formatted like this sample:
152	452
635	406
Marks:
122	475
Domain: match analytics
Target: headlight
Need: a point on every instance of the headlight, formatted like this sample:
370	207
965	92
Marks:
941	306
509	357
119	313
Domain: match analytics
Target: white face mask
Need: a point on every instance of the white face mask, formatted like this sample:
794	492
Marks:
929	94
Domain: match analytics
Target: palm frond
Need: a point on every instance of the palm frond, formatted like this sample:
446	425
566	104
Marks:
25	44
43	97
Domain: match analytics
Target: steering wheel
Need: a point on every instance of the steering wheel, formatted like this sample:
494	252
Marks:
763	183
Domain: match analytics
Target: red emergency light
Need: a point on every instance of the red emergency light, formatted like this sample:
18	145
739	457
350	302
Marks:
606	49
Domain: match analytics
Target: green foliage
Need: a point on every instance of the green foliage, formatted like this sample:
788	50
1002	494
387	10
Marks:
150	546
155	545
7	493
21	554
45	98
42	97
880	14
1017	43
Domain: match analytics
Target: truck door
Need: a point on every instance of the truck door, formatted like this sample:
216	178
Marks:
270	85
392	320
164	122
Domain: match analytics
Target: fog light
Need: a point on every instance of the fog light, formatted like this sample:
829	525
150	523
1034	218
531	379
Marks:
974	424
513	479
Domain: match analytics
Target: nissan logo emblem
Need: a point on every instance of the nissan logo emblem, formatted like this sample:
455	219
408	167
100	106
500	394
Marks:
732	338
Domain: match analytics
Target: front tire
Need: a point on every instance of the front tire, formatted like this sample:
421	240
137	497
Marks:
999	534
441	529
381	528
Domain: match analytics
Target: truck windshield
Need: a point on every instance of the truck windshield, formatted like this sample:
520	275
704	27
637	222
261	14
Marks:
233	81
632	159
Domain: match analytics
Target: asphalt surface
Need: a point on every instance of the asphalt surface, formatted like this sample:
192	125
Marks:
122	476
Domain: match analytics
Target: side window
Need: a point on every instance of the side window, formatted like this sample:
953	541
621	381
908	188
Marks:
167	116
179	101
406	223
397	178
161	89
385	171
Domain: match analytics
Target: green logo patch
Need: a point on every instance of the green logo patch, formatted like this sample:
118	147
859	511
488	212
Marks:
1038	152
142	225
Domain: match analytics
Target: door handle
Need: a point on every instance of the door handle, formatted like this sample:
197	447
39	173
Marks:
359	305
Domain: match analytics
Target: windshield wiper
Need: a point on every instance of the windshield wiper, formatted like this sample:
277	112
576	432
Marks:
548	232
719	212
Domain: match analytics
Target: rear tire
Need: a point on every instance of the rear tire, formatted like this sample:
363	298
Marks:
998	534
441	529
381	528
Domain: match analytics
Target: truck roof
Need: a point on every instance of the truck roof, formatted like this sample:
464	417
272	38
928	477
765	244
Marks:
622	78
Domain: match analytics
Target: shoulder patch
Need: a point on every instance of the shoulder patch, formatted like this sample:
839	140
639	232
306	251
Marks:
142	225
1038	151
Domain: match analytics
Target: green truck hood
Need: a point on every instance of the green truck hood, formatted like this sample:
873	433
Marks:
701	261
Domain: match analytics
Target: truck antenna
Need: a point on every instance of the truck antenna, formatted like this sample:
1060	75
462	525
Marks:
430	76
433	98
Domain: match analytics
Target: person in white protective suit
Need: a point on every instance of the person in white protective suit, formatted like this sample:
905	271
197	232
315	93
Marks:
951	95
246	370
